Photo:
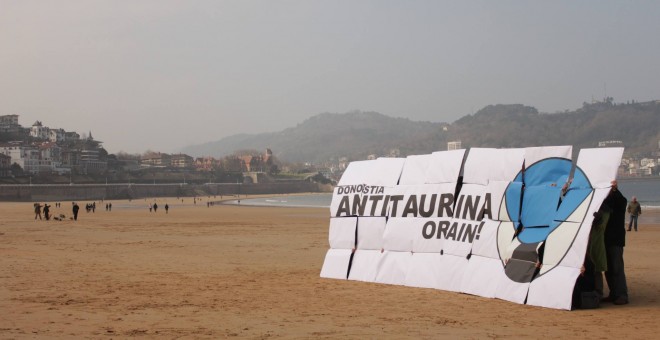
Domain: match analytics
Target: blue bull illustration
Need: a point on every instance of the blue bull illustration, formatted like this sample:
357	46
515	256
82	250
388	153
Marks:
539	201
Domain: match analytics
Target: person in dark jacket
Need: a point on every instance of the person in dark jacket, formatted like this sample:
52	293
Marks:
75	211
634	209
47	211
615	240
37	210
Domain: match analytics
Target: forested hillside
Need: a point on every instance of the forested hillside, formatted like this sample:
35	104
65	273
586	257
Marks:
329	135
636	125
356	135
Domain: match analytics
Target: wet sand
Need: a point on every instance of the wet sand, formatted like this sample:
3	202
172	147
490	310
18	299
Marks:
253	272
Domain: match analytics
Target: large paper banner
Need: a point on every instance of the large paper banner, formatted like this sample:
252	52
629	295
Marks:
514	226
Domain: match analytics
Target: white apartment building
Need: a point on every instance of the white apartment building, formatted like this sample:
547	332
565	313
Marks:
647	161
38	130
27	157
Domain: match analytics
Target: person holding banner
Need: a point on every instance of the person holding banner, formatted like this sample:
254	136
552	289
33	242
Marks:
615	240
596	246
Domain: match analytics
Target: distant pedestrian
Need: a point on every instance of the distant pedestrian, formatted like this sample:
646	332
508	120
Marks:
150	207
155	207
634	209
106	207
167	208
47	211
110	206
37	211
75	211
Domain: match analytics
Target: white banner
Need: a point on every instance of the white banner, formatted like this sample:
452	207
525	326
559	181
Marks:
514	227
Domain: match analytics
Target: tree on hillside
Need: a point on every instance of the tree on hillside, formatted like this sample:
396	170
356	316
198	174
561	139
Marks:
16	170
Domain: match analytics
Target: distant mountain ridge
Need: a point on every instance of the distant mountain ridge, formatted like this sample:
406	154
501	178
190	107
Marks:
356	135
636	125
329	136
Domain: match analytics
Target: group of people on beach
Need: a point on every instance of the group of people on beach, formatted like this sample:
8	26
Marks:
154	207
605	252
44	210
38	208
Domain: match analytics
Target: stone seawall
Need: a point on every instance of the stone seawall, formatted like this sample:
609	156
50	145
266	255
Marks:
55	192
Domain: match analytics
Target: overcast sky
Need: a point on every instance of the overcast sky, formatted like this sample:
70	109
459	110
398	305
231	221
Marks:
162	75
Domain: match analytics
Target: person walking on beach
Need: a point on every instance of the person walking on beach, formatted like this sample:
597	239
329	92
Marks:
155	207
634	209
47	211
75	211
37	211
167	208
615	241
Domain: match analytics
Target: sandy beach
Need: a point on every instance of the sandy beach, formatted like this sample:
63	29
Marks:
253	272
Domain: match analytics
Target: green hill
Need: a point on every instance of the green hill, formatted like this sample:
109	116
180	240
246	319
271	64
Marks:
356	135
329	136
636	125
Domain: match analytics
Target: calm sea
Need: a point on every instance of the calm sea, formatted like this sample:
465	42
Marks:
305	201
646	190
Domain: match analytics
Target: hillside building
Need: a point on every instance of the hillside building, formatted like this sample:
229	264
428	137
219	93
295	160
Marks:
9	124
5	165
205	163
57	135
50	151
10	120
90	161
455	145
181	161
610	144
246	162
38	130
156	160
26	156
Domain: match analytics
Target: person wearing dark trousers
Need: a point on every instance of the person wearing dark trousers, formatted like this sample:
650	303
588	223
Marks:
75	211
634	209
615	241
37	211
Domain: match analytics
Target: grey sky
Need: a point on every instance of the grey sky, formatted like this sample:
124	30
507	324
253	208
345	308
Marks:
161	75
